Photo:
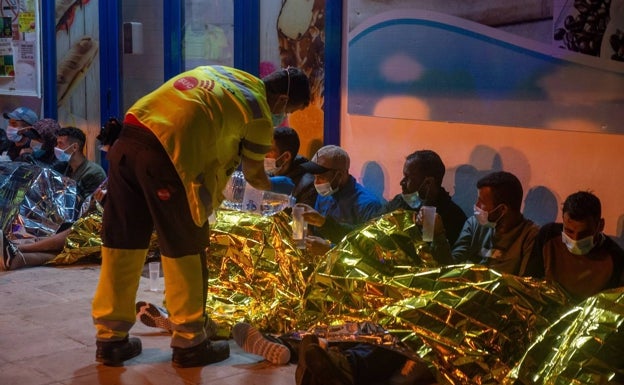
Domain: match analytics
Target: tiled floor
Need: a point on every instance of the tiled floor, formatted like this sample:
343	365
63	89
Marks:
47	337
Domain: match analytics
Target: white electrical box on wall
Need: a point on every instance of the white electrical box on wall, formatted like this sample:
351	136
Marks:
133	38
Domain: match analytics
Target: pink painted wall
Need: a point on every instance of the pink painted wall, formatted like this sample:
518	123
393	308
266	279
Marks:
562	161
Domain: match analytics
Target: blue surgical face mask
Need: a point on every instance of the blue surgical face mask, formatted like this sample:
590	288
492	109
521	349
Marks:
61	155
413	200
37	149
35	146
278	119
12	134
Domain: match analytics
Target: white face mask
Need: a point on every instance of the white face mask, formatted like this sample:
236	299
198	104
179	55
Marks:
324	189
61	155
270	166
578	247
12	134
483	217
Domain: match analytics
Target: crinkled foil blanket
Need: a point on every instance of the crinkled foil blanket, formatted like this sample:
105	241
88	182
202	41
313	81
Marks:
381	285
35	200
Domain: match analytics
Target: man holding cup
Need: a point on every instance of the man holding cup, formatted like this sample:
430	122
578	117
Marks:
421	186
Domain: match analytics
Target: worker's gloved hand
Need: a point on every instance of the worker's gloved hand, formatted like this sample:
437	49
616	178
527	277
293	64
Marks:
282	185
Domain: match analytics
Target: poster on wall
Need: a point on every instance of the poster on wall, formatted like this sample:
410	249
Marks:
19	47
460	65
208	33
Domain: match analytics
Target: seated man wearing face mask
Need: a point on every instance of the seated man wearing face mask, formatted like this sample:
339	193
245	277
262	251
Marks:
342	203
283	160
37	251
576	253
19	119
498	235
421	185
40	150
73	163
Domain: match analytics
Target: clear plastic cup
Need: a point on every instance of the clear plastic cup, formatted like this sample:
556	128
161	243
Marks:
298	226
154	275
428	222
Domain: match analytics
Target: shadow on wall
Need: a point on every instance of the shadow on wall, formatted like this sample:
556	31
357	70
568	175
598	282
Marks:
373	179
619	235
482	161
540	203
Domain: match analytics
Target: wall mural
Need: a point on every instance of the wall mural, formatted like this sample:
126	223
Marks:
425	65
77	67
293	34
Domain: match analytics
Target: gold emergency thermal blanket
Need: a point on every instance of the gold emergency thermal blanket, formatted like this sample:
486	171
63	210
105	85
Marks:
84	239
585	346
469	323
256	271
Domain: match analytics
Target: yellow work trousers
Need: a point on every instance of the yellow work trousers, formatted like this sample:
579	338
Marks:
185	294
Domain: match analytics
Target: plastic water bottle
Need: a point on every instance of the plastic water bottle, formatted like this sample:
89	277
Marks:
235	191
272	203
241	196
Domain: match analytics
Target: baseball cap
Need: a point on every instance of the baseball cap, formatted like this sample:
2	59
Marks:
22	113
327	158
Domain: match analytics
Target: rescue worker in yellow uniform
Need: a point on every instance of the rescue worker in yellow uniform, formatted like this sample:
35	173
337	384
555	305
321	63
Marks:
178	146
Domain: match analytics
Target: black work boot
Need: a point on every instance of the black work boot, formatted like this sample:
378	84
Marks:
302	375
206	353
114	353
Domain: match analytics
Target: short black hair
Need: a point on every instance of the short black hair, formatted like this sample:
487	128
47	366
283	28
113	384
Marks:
506	188
74	133
292	82
582	205
428	163
109	132
286	139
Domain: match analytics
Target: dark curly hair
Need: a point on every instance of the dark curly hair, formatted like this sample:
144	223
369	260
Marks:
582	205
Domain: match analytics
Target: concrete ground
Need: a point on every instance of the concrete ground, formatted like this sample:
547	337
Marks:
47	338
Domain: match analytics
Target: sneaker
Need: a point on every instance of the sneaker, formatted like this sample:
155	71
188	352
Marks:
153	316
252	341
158	317
327	367
114	353
203	354
8	252
302	375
